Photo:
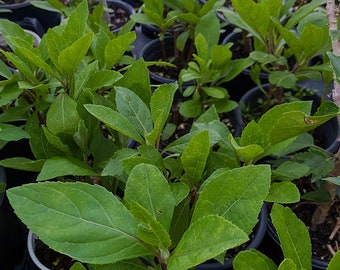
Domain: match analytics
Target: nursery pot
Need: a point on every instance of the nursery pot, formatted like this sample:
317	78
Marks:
151	51
327	133
120	15
242	82
31	239
20	11
258	235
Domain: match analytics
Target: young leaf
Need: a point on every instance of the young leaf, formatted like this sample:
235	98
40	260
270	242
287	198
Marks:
287	264
23	164
293	235
194	158
134	109
137	79
115	121
283	192
228	194
79	209
12	133
150	230
253	260
60	166
70	57
62	116
143	187
206	238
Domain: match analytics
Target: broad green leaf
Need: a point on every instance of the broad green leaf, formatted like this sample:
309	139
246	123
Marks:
70	58
102	78
137	79
114	166
335	180
12	133
216	235
290	170
293	235
132	264
60	166
334	262
253	260
228	194
115	121
252	134
190	108
71	212
23	164
249	153
56	141
287	264
284	79
148	187
215	92
194	158
62	116
255	15
117	47
134	109
300	142
283	192
180	191
201	45
160	106
150	230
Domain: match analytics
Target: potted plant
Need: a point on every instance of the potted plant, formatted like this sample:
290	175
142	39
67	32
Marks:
296	253
277	42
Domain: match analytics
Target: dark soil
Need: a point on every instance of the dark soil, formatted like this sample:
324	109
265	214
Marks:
118	16
52	259
320	237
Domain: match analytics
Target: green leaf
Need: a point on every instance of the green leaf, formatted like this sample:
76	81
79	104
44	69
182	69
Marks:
180	191
102	78
60	166
160	106
12	133
215	92
143	187
137	79
335	262
249	153
335	180
283	192
117	47
115	121
79	209
114	166
290	170
62	116
190	108
194	158
253	260
293	235
134	109
23	164
284	79
70	58
216	235
287	264
150	230
320	195
252	134
228	194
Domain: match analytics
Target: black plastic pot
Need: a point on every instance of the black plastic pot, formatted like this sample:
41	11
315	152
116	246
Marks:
243	82
47	19
114	4
259	233
13	233
327	133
